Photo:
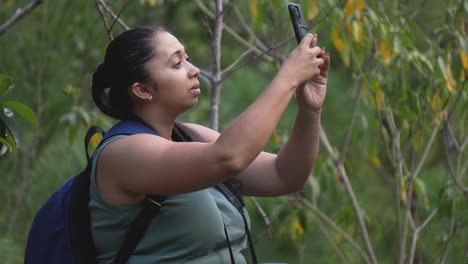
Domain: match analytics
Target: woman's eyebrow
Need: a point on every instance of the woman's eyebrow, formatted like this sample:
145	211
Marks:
177	52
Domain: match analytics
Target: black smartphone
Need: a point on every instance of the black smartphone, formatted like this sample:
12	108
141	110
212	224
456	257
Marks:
298	21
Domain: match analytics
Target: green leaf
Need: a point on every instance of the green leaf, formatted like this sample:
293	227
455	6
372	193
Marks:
4	142
463	43
421	190
5	84
23	111
459	16
11	127
441	62
314	184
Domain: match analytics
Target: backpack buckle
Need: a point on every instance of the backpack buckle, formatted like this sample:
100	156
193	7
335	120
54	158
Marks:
154	202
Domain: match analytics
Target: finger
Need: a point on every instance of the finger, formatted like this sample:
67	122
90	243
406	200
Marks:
314	41
319	62
315	52
322	53
326	65
306	40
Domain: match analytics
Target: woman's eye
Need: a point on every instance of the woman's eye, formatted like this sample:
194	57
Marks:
178	64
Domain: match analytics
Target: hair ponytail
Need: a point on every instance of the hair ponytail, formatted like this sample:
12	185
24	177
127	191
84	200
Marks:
100	90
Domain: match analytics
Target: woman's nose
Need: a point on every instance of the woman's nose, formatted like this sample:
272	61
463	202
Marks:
194	71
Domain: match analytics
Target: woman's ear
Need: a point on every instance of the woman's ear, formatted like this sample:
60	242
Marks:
141	91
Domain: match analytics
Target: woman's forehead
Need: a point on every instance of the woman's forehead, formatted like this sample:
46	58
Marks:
167	45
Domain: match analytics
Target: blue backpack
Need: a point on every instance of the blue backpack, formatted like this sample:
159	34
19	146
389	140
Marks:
61	233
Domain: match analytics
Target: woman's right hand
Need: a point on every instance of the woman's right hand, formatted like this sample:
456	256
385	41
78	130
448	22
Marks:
303	63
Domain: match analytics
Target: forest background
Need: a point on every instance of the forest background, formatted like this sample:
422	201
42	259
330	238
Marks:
390	184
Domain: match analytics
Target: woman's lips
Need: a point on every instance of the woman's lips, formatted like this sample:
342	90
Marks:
196	89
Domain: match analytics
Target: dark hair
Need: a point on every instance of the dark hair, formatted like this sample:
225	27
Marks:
124	64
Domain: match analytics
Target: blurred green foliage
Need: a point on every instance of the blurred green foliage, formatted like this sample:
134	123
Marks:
399	72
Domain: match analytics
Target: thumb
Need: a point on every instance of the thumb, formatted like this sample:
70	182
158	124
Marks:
306	41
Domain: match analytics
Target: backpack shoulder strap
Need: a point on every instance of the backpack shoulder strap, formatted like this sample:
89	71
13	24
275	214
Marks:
228	188
81	241
152	203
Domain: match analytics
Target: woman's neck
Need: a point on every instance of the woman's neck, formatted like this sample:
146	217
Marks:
162	124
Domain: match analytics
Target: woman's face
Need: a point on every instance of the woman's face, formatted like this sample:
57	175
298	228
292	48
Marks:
176	86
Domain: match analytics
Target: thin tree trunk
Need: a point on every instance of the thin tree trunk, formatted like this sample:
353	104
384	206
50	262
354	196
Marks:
216	72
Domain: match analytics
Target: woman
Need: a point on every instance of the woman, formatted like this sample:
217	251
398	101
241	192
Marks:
147	75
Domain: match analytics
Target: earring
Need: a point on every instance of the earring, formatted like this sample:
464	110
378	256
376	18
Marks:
150	98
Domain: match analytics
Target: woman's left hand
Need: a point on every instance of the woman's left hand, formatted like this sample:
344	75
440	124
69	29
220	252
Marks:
311	94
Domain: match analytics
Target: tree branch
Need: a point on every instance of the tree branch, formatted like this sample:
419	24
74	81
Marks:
351	195
265	218
19	13
104	20
234	34
113	15
230	67
327	234
416	236
409	191
336	228
216	71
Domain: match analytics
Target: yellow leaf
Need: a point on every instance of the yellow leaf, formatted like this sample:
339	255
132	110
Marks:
406	124
386	50
464	59
276	137
441	116
426	203
357	31
360	6
436	103
403	188
253	7
337	237
313	9
375	161
298	227
449	80
337	41
349	9
95	139
417	140
151	2
353	8
378	97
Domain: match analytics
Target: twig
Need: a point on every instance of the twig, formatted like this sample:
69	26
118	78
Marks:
336	228
269	50
416	235
248	29
206	75
117	17
332	241
104	20
267	221
454	174
234	34
451	233
410	193
230	67
357	99
351	195
255	57
19	13
114	16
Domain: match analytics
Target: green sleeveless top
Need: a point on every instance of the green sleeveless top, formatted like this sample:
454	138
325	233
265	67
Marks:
188	229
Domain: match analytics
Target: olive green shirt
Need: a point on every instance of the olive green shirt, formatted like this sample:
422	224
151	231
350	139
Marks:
188	229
